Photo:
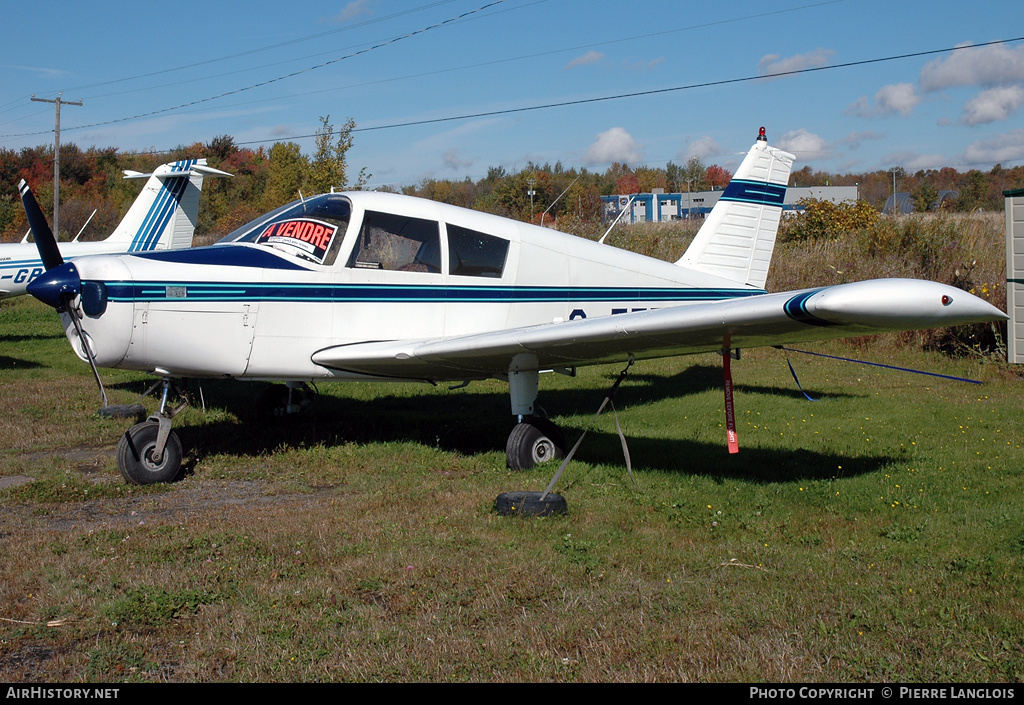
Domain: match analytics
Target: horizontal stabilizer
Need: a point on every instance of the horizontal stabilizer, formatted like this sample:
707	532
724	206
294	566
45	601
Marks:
199	168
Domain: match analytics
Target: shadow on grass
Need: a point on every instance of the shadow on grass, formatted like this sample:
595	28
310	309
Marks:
27	337
14	363
470	423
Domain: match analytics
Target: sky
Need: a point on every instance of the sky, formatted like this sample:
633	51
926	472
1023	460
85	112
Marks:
446	89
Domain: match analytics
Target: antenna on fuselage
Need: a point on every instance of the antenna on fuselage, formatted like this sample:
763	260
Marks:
88	220
621	213
558	199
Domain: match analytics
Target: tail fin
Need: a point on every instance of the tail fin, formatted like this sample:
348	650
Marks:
164	215
737	239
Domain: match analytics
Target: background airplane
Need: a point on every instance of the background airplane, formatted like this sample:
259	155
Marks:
377	286
163	217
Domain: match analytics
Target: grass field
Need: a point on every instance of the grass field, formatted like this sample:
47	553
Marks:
876	534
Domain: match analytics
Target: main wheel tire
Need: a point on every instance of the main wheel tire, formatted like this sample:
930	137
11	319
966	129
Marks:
272	402
135	455
532	442
529	504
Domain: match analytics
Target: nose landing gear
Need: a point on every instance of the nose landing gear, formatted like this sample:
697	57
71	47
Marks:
150	451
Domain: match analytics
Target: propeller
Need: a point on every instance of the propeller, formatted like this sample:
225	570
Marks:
46	243
59	286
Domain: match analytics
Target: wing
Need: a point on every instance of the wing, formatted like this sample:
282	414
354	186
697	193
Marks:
844	310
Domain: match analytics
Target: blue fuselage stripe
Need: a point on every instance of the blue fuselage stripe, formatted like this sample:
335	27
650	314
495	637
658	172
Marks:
182	291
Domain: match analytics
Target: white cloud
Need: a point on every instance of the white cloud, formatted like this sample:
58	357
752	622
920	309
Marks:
898	158
899	98
643	65
805	145
859	108
452	161
614	145
993	105
46	72
918	162
443	140
773	64
896	98
1007	147
591	57
854	139
353	9
970	66
701	148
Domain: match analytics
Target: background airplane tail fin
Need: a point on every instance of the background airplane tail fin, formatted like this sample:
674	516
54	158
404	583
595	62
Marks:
738	237
164	215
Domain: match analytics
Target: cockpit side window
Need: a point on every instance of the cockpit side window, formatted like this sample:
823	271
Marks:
397	243
475	254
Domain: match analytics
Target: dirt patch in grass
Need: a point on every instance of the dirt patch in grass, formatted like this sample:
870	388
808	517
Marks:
179	504
14	481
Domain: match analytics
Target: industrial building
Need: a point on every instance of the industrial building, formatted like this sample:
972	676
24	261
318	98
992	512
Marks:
663	207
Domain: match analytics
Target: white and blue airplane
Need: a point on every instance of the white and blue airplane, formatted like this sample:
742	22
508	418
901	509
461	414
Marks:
163	217
376	286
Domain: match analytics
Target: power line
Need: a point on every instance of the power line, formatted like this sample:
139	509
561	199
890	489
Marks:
654	91
270	47
270	81
618	40
460	18
493	62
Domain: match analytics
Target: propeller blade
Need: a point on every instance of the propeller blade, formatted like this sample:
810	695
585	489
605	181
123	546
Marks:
46	243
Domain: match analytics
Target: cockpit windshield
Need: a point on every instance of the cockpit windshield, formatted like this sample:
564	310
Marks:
310	228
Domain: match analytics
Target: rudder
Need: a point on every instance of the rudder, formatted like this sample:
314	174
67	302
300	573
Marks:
737	239
165	214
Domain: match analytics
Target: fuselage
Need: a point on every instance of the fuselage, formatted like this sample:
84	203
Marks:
344	269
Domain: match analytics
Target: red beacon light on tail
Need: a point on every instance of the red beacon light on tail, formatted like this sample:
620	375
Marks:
761	137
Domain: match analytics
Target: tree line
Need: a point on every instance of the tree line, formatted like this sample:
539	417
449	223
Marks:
266	178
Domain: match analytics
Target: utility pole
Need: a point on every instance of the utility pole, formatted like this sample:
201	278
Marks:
56	158
532	193
895	170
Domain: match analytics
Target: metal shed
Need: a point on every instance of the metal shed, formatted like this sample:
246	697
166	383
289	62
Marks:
1014	207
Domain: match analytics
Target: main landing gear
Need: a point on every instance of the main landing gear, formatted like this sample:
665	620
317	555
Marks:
150	451
534	440
283	400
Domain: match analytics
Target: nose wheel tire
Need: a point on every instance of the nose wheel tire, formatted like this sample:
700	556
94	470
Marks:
532	442
137	459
